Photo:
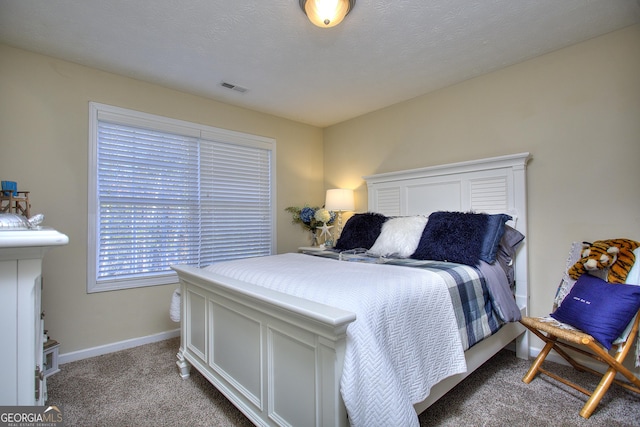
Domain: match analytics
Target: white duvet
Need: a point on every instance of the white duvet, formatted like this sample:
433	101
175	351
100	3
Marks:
404	340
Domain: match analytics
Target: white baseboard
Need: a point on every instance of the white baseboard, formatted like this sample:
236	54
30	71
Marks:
553	357
117	346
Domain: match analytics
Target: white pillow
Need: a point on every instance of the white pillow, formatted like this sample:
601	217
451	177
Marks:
399	236
633	278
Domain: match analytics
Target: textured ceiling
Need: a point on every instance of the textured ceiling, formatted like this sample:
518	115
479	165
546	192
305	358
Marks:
383	53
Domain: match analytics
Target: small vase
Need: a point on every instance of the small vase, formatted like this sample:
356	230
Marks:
314	238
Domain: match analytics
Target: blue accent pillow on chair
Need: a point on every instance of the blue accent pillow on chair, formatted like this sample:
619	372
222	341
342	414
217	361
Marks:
600	309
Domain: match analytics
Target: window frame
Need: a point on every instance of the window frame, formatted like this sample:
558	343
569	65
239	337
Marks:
97	112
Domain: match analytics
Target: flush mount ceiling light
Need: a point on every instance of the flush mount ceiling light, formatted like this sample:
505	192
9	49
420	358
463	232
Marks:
326	13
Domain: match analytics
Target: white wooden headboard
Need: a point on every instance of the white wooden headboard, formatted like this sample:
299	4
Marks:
493	185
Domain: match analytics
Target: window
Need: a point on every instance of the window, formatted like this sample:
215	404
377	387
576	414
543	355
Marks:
164	191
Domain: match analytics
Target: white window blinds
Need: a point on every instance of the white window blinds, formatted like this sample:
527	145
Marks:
167	193
235	201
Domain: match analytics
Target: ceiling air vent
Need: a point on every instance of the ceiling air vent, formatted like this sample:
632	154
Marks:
234	87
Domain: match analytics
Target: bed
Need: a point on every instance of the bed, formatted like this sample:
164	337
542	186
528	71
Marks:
280	356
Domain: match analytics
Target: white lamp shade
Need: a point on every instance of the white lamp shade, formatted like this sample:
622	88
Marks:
339	199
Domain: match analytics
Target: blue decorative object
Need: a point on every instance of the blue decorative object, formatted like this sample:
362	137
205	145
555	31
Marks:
601	309
306	214
452	236
9	187
361	231
492	237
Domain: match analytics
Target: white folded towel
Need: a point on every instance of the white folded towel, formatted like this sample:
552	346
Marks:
174	309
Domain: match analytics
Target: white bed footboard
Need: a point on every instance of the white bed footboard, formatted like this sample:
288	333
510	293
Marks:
277	357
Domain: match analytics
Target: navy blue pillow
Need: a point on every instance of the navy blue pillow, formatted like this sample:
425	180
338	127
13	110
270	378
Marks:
600	309
453	236
361	231
492	236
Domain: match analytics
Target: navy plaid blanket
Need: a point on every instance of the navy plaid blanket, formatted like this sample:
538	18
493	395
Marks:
472	305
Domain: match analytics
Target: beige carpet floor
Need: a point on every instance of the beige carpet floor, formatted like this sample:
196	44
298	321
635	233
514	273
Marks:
141	387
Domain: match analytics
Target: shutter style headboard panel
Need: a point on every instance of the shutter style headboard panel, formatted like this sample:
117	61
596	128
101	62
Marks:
493	185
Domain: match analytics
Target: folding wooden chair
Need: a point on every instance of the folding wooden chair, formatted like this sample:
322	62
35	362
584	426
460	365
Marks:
559	336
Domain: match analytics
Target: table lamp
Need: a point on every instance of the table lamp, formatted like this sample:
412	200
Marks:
339	200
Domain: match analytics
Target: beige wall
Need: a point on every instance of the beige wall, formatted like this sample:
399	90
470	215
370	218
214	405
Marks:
576	110
43	146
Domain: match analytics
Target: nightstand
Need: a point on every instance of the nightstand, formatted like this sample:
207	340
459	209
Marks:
311	249
50	357
22	378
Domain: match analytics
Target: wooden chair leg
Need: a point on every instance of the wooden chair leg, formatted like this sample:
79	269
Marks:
535	366
615	366
598	393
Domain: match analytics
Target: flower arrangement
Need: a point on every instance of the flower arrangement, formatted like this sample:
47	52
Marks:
311	218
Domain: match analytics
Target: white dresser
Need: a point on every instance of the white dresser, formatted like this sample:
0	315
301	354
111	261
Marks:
21	324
